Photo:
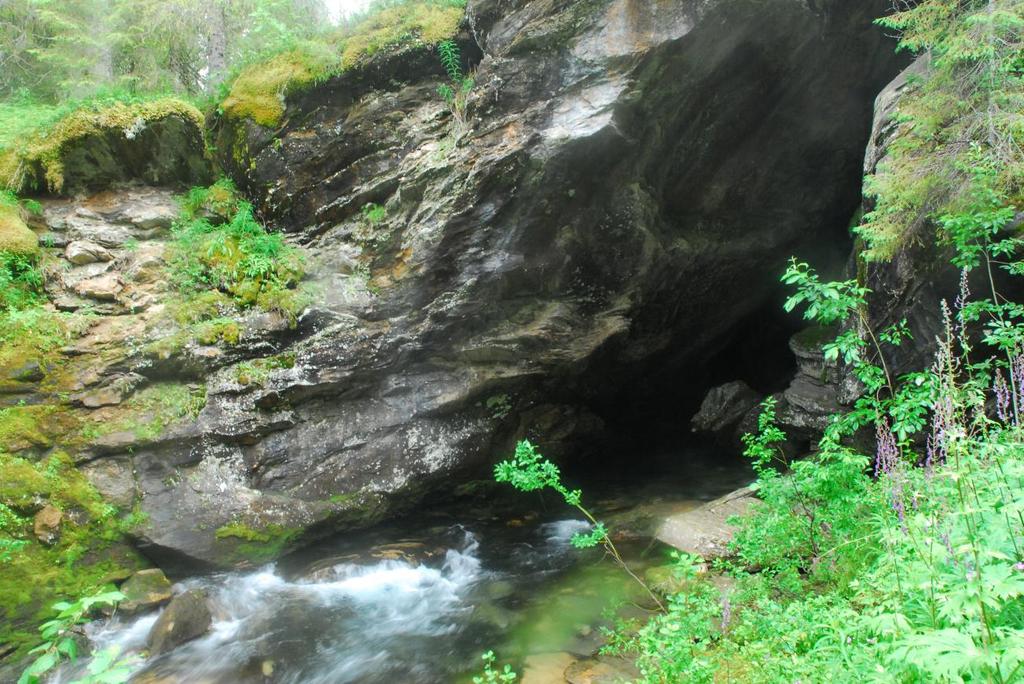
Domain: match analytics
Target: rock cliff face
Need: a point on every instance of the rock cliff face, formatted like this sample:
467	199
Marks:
628	183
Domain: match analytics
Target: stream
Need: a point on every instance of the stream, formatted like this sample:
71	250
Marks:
419	599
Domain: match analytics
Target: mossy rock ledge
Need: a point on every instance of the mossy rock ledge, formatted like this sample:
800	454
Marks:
159	142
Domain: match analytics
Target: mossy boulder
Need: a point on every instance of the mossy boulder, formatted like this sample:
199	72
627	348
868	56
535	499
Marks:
159	141
15	236
145	590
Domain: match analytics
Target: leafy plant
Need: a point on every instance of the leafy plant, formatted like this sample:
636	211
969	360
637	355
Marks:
492	676
59	643
529	471
456	92
374	213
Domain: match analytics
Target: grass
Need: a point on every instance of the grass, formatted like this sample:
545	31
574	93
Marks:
259	90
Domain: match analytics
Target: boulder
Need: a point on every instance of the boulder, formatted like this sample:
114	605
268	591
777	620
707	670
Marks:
724	406
144	591
186	617
80	252
704	531
46	524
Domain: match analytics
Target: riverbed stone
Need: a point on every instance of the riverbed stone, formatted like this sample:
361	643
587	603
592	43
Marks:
546	668
601	670
186	617
704	531
144	591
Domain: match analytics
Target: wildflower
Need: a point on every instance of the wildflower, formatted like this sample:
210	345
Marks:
887	461
1002	393
1019	566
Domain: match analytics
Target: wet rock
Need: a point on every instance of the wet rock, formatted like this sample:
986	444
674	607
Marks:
105	287
511	287
704	530
724	406
144	591
497	301
546	668
150	211
46	524
146	264
601	670
186	617
82	252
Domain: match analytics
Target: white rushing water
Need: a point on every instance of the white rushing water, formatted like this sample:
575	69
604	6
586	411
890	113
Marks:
388	621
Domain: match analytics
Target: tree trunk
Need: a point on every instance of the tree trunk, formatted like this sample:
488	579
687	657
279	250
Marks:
217	45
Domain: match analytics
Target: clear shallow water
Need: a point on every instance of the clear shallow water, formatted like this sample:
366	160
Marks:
418	601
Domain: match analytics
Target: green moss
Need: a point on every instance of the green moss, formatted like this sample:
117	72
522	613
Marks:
36	335
257	371
259	91
199	307
15	236
239	530
258	545
86	556
45	148
150	412
22	427
224	330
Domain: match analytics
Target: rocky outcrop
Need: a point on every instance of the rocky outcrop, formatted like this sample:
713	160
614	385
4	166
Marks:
626	188
159	142
624	166
911	284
